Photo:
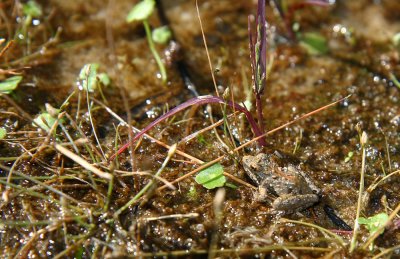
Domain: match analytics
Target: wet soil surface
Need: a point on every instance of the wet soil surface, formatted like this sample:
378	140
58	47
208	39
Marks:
361	62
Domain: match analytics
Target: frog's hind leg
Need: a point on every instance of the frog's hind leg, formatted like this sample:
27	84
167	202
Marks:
294	203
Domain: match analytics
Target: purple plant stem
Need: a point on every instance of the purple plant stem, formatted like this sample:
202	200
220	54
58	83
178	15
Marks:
259	112
208	99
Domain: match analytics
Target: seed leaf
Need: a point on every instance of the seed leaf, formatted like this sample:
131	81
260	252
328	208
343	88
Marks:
211	177
375	222
314	43
9	84
161	35
88	77
45	121
141	11
32	8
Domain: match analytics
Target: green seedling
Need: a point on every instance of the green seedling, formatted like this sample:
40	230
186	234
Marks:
31	10
3	133
161	35
10	84
47	119
90	78
258	57
374	223
349	156
211	177
314	43
141	12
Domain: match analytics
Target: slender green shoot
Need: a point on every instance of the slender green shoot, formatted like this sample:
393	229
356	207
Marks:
154	51
141	12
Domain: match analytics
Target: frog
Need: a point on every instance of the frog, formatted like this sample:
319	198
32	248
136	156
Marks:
278	176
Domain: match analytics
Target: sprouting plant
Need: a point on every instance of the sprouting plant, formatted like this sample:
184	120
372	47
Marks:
31	10
374	223
47	119
349	156
258	62
10	84
211	177
141	12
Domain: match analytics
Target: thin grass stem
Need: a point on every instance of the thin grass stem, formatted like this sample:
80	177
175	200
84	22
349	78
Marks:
154	51
353	242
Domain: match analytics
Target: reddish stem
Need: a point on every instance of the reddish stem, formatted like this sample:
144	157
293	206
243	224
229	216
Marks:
195	101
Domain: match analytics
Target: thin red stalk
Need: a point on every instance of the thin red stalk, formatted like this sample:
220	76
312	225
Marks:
260	113
208	99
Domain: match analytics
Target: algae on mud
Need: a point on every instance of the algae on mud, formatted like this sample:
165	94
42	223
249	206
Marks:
52	206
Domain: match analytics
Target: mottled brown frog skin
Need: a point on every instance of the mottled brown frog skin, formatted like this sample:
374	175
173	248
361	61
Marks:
275	176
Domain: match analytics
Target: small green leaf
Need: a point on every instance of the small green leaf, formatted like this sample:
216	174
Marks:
314	43
3	133
349	156
375	222
32	8
88	77
104	79
45	121
161	35
211	177
141	11
9	84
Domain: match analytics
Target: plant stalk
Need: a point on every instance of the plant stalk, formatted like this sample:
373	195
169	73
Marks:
154	51
361	190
